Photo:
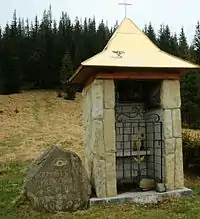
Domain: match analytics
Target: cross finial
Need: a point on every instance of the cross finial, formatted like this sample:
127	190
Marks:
125	4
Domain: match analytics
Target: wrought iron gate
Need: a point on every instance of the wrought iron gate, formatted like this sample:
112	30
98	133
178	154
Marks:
139	144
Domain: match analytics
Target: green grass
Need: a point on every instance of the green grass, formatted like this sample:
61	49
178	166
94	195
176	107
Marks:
22	139
11	181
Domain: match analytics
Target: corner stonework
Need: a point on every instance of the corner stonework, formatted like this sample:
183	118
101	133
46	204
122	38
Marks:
99	136
171	103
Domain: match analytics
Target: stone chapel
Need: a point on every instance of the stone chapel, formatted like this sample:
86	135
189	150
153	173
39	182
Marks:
132	116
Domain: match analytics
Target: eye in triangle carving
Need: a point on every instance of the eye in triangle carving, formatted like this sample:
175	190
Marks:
118	54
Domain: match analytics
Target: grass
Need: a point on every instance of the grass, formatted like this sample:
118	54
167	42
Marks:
11	181
45	120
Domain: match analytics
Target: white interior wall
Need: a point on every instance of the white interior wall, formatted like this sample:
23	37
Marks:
125	138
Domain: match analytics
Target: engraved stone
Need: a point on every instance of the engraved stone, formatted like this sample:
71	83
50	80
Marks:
57	181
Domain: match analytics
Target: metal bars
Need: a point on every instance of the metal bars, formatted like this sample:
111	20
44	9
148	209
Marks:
139	143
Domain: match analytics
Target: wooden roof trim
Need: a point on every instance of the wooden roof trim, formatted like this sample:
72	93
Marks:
139	75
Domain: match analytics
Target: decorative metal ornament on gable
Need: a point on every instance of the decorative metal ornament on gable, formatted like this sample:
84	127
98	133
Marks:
131	111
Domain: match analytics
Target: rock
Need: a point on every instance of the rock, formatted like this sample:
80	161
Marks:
160	187
57	181
147	184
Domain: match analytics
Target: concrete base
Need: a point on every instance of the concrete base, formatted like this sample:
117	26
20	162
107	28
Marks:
150	197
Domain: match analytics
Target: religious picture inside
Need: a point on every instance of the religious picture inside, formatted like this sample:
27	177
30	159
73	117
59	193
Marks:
129	91
139	137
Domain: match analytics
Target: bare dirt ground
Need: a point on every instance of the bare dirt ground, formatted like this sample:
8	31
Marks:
32	121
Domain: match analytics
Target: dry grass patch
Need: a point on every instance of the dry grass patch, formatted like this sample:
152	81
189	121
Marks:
41	120
33	121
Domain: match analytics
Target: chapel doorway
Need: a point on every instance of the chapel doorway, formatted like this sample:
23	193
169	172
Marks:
139	133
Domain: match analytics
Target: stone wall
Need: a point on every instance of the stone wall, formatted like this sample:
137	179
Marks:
99	136
171	103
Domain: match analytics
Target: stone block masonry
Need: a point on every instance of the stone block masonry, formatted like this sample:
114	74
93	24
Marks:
99	136
171	103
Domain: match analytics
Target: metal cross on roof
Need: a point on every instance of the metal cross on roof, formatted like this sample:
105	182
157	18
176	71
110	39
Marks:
125	4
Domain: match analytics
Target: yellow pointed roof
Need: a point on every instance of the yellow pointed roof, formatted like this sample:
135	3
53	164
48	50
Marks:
129	47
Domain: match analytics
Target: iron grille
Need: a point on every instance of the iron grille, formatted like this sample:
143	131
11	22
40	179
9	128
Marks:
139	143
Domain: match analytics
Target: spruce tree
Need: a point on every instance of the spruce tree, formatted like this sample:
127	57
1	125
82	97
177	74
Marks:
164	38
66	72
183	45
190	89
151	33
197	43
32	52
190	95
103	35
145	30
77	43
174	47
11	60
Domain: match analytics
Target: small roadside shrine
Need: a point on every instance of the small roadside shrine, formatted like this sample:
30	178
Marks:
132	118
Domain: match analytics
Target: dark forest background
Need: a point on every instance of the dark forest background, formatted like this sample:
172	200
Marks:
44	54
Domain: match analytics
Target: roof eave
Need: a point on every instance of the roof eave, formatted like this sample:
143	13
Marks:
75	74
92	68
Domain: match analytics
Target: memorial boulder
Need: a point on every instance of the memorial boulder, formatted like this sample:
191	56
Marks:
57	181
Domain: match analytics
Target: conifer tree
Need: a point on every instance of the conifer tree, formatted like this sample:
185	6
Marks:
164	38
190	89
66	72
151	33
36	53
145	29
190	95
197	43
183	45
174	47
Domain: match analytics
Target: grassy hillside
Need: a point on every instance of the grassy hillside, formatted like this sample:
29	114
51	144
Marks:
32	121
